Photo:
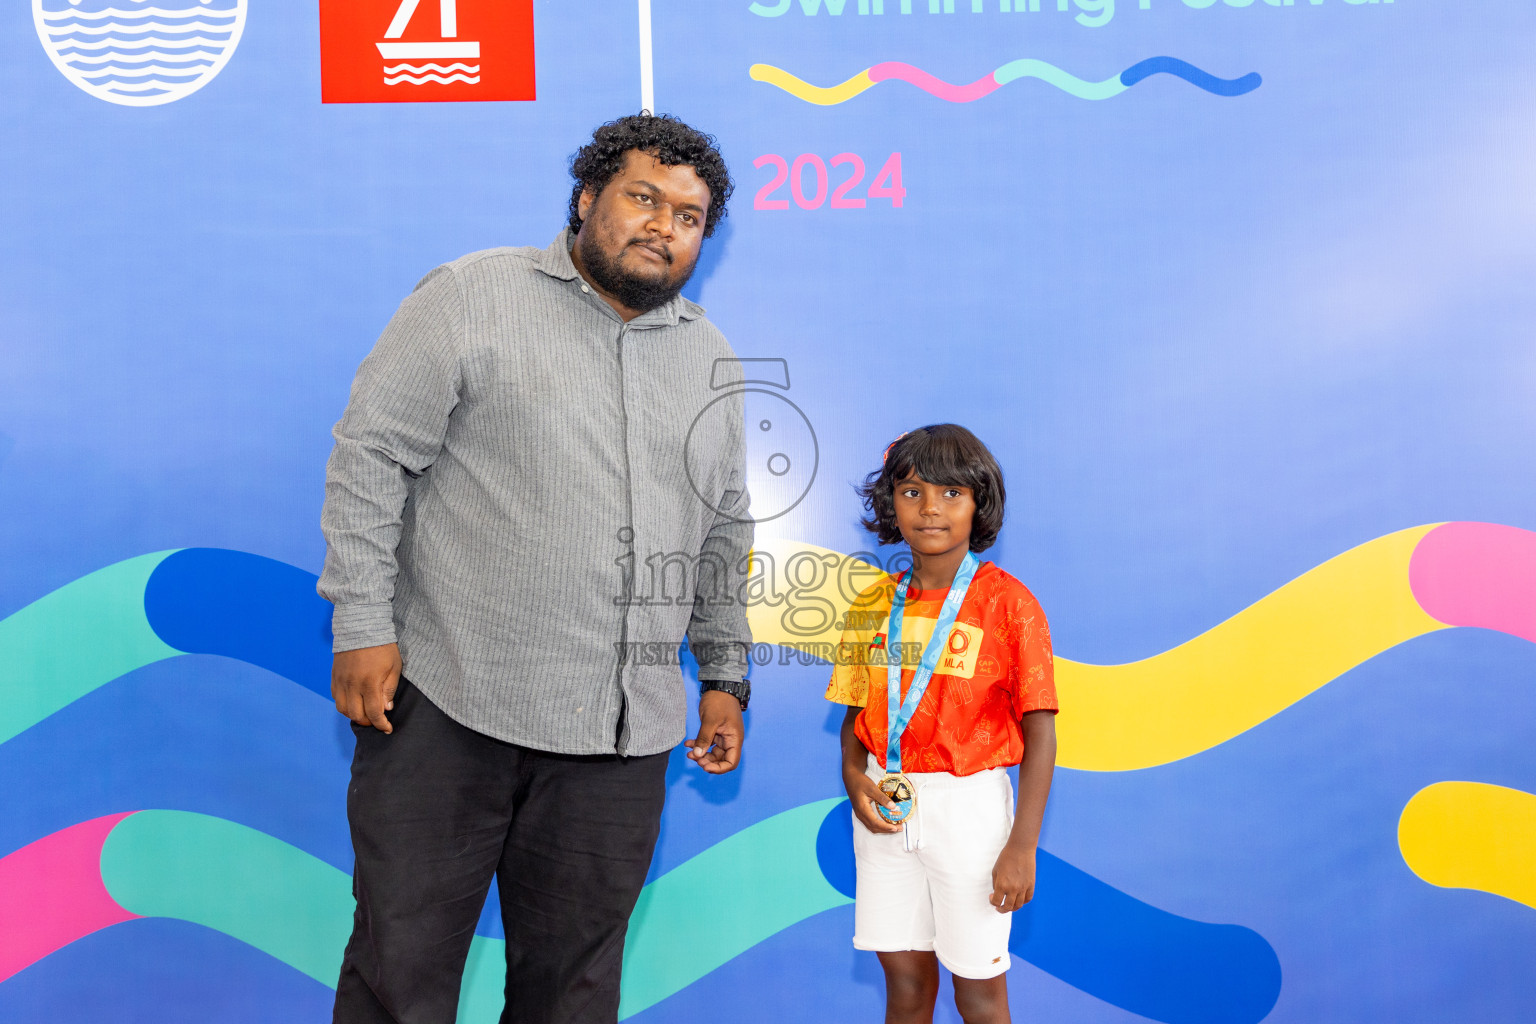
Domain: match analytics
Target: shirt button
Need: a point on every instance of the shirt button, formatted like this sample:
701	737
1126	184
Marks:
585	288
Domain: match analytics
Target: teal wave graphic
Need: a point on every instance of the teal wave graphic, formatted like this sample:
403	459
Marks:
78	638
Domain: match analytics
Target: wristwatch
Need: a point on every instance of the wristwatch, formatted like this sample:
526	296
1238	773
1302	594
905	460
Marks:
742	690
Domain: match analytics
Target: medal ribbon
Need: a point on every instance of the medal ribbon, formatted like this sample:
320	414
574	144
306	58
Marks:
901	711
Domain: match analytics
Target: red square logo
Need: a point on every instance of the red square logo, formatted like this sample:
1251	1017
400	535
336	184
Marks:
414	51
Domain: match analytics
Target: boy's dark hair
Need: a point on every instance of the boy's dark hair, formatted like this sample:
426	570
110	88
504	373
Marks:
945	454
664	137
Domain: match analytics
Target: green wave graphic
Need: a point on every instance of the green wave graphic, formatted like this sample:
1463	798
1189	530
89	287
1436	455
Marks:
256	888
298	909
482	994
1063	80
233	879
80	637
700	914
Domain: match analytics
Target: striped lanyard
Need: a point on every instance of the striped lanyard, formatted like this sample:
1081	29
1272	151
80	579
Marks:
901	711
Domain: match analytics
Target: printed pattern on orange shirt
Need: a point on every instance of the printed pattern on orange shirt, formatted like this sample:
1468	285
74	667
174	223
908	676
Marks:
996	667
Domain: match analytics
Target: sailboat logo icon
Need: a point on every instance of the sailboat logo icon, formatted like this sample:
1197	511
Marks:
382	51
450	49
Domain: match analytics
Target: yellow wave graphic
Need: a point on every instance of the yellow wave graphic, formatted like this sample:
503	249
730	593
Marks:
825	96
1192	697
1470	835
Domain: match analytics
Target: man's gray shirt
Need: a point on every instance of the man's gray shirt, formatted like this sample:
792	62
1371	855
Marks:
511	454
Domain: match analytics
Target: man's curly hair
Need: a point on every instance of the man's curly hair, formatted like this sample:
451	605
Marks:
945	454
664	137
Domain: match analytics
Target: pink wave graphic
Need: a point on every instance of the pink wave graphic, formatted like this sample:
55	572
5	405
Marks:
895	69
1477	574
51	894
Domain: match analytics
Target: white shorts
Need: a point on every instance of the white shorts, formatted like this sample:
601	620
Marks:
935	896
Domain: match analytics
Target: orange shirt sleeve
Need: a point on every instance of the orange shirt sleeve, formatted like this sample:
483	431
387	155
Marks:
864	625
1032	677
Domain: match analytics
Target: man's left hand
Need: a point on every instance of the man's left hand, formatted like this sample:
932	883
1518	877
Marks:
721	731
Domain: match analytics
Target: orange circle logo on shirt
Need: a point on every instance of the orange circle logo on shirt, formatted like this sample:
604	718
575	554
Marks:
959	641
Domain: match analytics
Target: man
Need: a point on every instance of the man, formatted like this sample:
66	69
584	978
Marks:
515	451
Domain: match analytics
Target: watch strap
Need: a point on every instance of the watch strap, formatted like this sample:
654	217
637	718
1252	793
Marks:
740	689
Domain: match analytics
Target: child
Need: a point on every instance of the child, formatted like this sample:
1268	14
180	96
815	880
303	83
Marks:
939	886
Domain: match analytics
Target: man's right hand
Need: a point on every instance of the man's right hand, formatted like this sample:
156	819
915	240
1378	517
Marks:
863	793
363	684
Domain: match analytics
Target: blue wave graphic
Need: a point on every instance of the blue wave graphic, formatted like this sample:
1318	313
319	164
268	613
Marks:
1197	77
86	12
257	610
177	20
138	51
172	65
1113	946
162	79
80	38
142	54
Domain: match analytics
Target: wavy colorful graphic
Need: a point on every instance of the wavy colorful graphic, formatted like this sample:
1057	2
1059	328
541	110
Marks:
1136	715
1126	952
1249	668
298	909
1470	835
662	954
1138	957
158	606
51	894
52	667
887	71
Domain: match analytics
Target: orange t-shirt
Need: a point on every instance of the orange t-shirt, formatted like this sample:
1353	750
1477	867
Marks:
996	667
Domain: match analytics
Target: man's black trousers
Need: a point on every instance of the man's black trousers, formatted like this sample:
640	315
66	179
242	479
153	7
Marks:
436	809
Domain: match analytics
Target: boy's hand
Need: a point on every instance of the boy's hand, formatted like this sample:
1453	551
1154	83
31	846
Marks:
1013	879
717	748
863	793
363	684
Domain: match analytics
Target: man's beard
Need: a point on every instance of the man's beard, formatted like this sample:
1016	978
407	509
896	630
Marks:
641	293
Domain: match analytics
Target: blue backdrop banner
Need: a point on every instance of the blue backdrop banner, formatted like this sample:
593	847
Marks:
1238	291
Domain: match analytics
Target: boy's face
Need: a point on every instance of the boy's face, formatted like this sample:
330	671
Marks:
934	519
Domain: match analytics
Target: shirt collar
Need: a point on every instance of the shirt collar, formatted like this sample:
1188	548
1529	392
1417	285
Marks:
556	262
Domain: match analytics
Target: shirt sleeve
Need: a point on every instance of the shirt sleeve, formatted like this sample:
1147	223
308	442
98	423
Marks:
718	633
390	434
850	682
1032	677
863	630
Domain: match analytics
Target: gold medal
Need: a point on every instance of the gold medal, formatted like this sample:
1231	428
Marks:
902	793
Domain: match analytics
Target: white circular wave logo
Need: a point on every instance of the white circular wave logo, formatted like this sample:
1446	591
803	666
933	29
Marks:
137	54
